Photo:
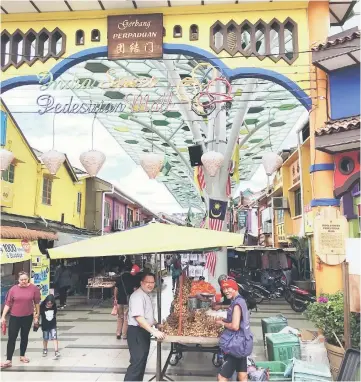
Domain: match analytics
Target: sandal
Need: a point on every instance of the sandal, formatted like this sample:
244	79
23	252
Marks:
24	359
6	365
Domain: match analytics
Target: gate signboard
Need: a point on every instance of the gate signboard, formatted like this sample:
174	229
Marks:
135	36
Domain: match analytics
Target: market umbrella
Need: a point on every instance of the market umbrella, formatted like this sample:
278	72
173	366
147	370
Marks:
151	238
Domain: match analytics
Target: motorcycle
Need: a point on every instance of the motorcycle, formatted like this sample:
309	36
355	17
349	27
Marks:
298	298
248	295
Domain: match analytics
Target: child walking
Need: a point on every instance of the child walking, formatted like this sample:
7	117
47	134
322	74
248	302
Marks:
48	324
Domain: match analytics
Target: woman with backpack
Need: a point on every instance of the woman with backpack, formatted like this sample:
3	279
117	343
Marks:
236	341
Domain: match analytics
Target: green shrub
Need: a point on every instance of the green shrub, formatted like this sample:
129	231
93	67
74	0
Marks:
327	315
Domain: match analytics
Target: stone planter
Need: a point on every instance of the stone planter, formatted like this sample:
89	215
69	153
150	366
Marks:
335	356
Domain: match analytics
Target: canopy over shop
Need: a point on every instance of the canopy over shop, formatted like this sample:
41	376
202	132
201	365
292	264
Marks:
152	238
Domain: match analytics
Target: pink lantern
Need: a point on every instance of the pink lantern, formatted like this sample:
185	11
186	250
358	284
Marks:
151	164
212	162
6	157
53	160
271	162
92	161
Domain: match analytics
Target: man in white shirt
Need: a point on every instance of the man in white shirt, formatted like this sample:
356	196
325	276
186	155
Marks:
141	323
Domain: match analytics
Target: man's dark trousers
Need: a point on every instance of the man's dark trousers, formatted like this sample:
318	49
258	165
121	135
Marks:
139	344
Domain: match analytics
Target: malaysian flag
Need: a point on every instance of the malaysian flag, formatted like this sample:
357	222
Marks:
201	180
217	212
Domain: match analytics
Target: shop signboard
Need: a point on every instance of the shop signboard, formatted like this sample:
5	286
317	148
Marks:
7	194
242	219
16	250
330	233
135	36
40	276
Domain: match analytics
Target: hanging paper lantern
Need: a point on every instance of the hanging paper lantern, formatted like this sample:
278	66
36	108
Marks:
53	160
6	158
212	162
151	164
271	162
92	161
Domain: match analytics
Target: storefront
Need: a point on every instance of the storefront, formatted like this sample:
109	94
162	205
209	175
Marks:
23	254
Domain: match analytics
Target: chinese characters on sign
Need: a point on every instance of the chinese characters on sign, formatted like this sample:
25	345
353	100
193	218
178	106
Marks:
135	36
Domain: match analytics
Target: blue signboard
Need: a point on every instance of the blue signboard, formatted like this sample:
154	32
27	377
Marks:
4	118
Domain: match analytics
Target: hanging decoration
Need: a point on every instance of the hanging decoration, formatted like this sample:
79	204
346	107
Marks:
151	164
53	159
271	162
212	162
6	157
92	160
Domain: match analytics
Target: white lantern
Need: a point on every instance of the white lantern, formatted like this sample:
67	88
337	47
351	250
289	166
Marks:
6	158
92	161
212	162
271	162
53	160
151	164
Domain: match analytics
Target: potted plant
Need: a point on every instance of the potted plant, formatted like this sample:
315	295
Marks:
301	258
327	314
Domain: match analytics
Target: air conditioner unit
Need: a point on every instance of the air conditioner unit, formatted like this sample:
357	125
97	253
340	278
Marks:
118	225
267	227
280	203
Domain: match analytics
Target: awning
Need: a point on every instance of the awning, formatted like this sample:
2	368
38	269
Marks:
69	238
7	232
265	249
151	238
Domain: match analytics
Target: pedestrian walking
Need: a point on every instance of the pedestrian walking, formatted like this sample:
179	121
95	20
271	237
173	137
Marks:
236	341
62	283
141	325
124	288
176	270
22	301
48	312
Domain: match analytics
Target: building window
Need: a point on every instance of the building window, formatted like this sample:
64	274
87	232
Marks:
47	188
298	202
79	37
78	203
129	218
280	216
95	35
177	31
193	33
8	174
107	214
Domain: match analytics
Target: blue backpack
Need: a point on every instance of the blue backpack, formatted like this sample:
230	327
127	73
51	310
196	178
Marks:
238	344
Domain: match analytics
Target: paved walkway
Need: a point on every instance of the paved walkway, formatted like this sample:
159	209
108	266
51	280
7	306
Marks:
90	351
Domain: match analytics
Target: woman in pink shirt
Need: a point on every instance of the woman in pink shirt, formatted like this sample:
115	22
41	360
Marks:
20	301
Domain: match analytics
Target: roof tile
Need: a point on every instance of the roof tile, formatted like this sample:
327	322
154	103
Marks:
339	125
337	41
7	232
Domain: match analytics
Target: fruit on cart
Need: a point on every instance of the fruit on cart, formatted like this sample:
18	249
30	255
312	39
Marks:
199	287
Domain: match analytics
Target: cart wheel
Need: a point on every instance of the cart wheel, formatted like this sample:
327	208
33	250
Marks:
217	362
175	359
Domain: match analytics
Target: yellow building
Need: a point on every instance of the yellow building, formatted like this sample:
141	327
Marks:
28	189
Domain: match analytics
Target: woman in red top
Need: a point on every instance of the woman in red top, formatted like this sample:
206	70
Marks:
20	301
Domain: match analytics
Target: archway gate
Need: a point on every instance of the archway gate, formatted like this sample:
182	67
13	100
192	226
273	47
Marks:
265	59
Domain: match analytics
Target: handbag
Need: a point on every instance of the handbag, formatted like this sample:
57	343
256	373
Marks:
238	344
